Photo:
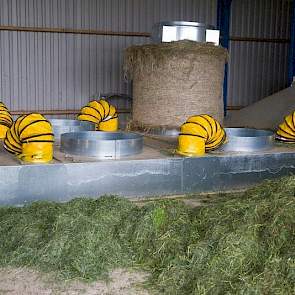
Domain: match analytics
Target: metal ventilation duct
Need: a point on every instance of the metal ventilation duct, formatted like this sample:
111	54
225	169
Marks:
181	30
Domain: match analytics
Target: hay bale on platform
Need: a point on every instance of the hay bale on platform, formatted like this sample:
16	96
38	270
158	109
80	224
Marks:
172	81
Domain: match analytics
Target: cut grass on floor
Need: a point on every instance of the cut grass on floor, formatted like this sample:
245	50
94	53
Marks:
241	245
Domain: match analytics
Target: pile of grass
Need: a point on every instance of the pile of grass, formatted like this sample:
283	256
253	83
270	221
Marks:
244	244
74	240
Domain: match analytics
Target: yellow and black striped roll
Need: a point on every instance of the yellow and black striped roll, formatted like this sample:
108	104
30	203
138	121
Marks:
100	112
200	134
5	120
286	130
31	139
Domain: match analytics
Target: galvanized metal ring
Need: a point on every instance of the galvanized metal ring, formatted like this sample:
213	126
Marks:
247	140
61	126
102	145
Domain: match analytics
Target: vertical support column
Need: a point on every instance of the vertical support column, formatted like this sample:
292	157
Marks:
223	24
291	66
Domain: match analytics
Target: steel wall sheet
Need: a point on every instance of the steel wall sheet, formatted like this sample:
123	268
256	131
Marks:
258	69
60	71
49	71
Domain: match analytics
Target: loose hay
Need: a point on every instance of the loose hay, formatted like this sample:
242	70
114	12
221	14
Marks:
241	245
74	239
172	81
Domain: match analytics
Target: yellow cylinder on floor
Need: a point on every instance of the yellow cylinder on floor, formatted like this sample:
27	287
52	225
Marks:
286	130
190	145
102	113
110	125
37	152
5	120
31	139
3	130
200	134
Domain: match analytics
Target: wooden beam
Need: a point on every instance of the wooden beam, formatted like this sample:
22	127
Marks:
117	33
234	108
73	31
59	112
266	40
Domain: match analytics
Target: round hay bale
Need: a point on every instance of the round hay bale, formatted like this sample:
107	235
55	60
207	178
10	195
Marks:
172	81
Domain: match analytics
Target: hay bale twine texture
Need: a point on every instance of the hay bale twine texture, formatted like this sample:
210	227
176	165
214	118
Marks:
172	81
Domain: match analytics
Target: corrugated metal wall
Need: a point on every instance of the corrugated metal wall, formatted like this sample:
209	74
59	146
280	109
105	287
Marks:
258	69
50	71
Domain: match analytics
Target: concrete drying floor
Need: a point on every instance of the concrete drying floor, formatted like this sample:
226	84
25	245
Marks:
155	147
156	171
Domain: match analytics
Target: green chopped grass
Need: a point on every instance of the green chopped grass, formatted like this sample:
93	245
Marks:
244	244
75	239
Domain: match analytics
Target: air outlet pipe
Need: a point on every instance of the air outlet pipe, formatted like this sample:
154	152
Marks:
6	120
200	134
31	139
286	130
100	112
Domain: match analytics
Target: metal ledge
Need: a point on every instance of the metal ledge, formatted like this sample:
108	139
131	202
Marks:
61	182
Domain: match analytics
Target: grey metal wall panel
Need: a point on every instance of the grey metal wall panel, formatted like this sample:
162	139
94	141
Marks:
61	71
258	69
41	71
261	18
125	15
